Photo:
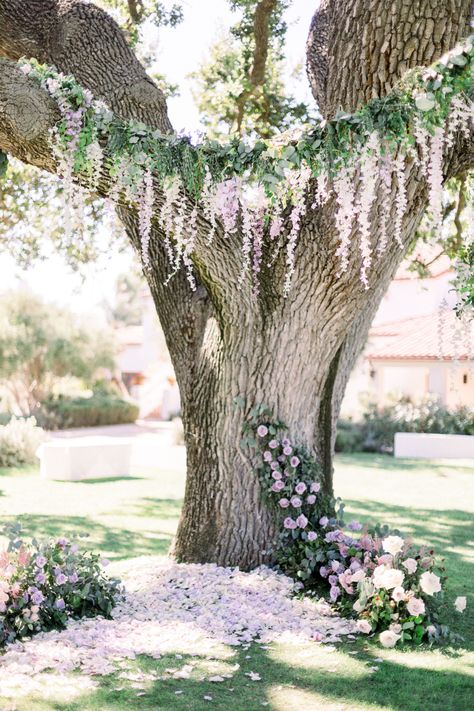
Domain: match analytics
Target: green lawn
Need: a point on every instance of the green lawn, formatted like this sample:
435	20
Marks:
127	517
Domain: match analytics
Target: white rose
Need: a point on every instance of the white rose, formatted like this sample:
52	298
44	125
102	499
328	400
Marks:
357	606
396	628
358	576
460	604
388	577
388	638
398	594
364	626
430	583
392	544
410	564
416	606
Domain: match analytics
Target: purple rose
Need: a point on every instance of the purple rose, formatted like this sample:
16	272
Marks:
300	488
333	579
62	542
276	475
285	442
301	521
287	450
267	456
312	535
40	578
73	578
37	597
40	561
273	444
323	571
294	461
323	521
60	604
61	579
274	465
278	485
284	503
281	458
295	502
354	526
262	431
334	593
311	499
315	487
289	523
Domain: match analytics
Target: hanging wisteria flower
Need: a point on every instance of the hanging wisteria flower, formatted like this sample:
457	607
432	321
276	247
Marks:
435	178
368	178
344	189
400	197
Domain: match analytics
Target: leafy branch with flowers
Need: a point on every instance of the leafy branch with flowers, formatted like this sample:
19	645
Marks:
264	187
44	584
391	585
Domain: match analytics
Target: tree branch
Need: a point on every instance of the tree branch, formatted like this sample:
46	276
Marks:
256	75
357	51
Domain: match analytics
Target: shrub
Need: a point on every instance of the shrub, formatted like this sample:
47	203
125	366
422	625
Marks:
100	409
375	432
42	585
19	440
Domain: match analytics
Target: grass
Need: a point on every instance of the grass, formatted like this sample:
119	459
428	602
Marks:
434	502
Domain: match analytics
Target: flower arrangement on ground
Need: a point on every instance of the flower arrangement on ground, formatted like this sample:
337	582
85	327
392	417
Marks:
42	585
391	585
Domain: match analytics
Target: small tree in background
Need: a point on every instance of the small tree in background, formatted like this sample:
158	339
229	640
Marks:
40	343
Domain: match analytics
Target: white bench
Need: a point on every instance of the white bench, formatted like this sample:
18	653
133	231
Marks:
433	446
80	458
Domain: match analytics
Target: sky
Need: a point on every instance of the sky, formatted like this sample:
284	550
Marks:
178	52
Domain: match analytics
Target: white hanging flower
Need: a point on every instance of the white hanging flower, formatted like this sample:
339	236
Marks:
459	118
435	178
400	198
145	213
298	184
344	189
422	141
95	157
385	174
368	179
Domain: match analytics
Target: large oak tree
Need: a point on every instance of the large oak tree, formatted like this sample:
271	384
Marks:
294	354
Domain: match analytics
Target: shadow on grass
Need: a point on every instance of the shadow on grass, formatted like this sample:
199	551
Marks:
159	508
386	462
394	686
118	543
107	480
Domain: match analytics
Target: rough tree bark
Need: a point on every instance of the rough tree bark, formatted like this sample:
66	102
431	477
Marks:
294	354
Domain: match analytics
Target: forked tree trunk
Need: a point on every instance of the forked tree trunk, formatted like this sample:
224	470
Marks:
293	355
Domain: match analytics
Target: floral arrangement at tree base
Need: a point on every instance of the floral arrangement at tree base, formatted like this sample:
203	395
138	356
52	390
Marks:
391	585
43	585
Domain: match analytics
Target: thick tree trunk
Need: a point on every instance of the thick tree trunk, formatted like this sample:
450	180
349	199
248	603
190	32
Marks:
294	355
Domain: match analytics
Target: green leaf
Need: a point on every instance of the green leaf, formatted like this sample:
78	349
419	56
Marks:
425	102
3	164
